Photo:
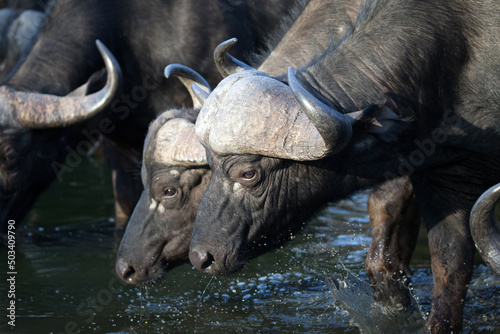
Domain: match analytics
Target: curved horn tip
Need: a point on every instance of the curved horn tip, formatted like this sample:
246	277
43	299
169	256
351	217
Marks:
169	69
112	66
185	72
99	44
105	53
227	64
229	43
194	82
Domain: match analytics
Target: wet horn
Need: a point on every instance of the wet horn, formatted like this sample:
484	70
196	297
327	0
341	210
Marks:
334	127
197	86
485	229
227	64
35	110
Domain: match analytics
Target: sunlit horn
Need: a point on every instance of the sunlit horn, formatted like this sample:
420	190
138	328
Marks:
227	64
333	126
485	229
188	149
35	110
196	85
199	93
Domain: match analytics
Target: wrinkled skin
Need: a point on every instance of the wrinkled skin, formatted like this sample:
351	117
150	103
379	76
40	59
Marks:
159	231
255	201
250	199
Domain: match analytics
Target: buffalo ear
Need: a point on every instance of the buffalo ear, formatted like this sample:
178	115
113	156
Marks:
378	120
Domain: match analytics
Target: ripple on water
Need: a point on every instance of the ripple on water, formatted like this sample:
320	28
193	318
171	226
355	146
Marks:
67	262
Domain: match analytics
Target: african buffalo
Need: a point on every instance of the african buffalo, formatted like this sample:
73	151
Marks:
409	91
144	36
158	234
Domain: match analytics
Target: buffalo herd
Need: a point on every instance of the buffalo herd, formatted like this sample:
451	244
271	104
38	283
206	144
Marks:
267	111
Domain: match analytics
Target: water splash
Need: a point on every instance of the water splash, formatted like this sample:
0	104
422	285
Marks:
357	298
206	287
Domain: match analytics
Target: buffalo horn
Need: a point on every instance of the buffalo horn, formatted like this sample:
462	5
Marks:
334	127
188	150
227	64
171	140
196	85
35	110
485	229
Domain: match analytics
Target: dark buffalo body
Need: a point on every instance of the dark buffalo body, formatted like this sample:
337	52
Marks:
158	234
39	5
411	90
17	28
145	36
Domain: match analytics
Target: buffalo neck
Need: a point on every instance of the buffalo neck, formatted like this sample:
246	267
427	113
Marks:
319	182
297	46
396	49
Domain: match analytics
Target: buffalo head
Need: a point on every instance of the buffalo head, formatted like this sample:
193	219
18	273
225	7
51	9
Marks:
30	125
175	175
277	155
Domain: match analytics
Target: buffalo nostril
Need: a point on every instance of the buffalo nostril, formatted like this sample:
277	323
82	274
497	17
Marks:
125	271
208	261
201	260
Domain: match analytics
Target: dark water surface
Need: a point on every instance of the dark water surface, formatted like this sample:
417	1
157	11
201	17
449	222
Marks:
65	282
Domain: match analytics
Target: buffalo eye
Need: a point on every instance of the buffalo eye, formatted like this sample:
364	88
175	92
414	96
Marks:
248	175
169	192
9	156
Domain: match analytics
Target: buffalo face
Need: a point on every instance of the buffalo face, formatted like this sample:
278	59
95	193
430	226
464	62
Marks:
175	175
158	233
248	209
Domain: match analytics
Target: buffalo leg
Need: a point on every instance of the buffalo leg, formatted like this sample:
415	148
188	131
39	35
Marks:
452	255
395	221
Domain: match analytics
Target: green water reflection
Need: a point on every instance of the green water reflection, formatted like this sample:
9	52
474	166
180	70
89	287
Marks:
65	279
